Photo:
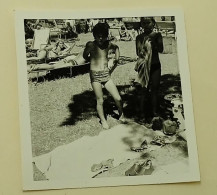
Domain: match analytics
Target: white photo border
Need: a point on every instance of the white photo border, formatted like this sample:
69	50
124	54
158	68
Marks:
28	182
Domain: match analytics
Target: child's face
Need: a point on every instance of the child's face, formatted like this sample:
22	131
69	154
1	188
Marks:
38	27
147	24
101	39
61	44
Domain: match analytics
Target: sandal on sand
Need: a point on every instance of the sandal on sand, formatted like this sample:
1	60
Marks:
134	170
107	164
142	121
138	168
158	140
143	146
147	168
96	167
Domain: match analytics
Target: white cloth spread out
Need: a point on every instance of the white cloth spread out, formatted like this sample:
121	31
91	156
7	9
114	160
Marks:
75	160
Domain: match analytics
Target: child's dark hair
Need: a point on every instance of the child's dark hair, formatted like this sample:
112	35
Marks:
101	29
145	18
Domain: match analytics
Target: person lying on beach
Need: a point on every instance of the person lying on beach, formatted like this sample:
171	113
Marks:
100	70
52	51
69	61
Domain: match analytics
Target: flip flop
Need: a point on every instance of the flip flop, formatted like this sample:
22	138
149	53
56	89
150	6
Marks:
96	167
143	146
134	170
107	164
147	168
158	140
144	168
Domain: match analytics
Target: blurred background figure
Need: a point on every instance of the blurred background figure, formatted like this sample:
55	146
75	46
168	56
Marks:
163	18
70	33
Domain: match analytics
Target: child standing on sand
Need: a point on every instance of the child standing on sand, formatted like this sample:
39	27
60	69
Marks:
148	46
100	70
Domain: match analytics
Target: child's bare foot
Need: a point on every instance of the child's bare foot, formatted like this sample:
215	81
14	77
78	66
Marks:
105	125
122	118
142	121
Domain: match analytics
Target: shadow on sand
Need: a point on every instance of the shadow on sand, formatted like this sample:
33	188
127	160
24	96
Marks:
83	105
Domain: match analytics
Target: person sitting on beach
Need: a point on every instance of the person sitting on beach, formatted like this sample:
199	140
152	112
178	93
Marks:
100	70
52	51
148	46
70	32
124	34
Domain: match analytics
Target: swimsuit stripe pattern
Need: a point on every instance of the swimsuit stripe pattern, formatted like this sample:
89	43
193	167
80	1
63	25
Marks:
99	76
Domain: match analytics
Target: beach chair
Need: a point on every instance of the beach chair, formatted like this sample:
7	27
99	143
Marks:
48	56
41	37
65	62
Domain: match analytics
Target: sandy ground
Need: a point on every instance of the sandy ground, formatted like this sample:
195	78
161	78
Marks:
76	160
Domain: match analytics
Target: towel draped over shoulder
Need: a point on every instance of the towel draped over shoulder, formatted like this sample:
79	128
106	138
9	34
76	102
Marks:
143	64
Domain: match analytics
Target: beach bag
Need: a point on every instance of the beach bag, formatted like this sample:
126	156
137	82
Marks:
169	127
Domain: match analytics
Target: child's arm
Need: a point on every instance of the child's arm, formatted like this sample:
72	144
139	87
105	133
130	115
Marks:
117	54
138	46
157	44
159	41
67	49
87	49
116	58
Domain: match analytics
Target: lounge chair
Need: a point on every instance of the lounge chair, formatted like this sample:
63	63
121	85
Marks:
41	37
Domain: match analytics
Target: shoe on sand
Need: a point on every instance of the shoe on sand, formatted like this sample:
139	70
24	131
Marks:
144	168
96	167
134	170
107	164
143	146
158	140
147	168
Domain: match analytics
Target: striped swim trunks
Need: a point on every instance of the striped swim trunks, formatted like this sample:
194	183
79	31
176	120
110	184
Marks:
101	76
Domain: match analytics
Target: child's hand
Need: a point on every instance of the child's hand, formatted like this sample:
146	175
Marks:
115	62
148	44
110	64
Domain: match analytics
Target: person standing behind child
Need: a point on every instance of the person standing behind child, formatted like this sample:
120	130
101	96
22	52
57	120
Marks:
100	70
148	45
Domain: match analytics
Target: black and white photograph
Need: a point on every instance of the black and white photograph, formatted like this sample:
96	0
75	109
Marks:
105	99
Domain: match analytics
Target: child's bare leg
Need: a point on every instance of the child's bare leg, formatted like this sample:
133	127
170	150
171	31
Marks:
112	89
140	101
142	106
155	78
40	55
97	88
